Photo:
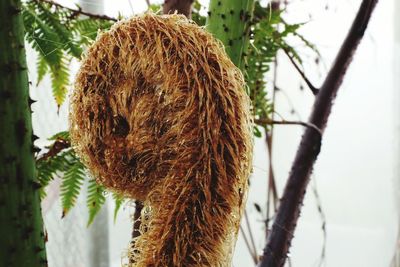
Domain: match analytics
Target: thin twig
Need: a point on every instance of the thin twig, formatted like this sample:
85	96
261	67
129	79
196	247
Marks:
277	247
246	241
269	142
78	11
317	197
130	5
271	175
250	232
313	89
285	122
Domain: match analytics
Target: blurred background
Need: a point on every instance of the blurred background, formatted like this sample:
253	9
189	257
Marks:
351	210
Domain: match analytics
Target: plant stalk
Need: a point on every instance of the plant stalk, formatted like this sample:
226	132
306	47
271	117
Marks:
230	22
21	230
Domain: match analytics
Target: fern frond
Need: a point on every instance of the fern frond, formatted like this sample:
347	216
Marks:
261	53
95	200
270	33
60	81
71	185
57	21
47	42
88	29
48	169
57	34
42	38
196	16
63	135
119	201
42	69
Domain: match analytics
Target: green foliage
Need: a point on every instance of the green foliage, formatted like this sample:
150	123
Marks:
156	8
72	182
119	201
87	29
61	135
96	199
48	169
66	165
270	33
58	35
196	16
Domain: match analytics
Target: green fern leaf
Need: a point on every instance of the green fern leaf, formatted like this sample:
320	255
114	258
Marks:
95	200
60	81
42	69
60	135
45	40
42	38
49	168
196	16
119	201
58	34
57	21
270	32
71	185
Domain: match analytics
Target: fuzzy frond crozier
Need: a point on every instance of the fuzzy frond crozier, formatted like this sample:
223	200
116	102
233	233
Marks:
160	114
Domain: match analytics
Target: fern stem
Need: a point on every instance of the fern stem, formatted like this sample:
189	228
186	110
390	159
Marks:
21	230
230	22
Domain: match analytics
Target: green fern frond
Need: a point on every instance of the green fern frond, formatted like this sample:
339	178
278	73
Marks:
88	29
57	21
42	69
95	200
60	135
270	34
71	185
49	168
119	201
261	54
45	40
42	38
196	16
56	165
58	35
60	81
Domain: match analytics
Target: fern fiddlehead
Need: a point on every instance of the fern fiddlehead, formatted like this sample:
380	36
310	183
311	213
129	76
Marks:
159	113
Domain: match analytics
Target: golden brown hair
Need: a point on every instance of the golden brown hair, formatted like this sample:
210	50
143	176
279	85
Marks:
159	113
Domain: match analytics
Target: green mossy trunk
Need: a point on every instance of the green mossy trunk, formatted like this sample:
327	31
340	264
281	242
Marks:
21	226
230	21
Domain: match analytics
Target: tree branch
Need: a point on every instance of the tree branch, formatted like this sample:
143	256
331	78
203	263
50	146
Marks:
286	218
77	12
59	145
